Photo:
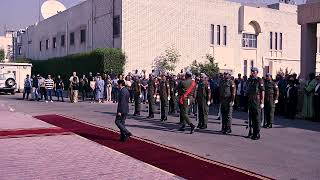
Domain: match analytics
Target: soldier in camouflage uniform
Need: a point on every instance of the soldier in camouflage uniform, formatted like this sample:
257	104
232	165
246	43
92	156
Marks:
151	94
185	100
270	100
136	86
203	98
227	95
255	91
164	92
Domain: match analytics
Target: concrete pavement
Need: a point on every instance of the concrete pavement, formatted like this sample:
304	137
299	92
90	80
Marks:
288	151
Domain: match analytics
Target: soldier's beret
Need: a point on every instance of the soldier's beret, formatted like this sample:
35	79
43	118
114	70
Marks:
254	69
268	75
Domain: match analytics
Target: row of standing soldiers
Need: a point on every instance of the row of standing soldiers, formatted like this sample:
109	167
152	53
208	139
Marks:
183	92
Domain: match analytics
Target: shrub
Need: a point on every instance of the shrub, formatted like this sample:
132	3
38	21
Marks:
102	60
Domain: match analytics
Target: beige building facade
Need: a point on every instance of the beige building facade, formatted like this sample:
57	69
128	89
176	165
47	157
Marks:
238	36
6	45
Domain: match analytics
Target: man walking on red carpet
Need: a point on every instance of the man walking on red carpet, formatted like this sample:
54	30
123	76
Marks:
123	110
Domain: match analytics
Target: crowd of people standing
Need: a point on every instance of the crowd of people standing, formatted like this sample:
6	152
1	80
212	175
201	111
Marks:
186	93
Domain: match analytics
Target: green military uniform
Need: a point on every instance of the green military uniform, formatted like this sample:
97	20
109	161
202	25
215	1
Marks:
173	98
227	96
151	93
163	91
255	89
203	93
271	95
183	86
137	92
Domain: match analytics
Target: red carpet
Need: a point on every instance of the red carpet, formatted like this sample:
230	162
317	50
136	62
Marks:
15	133
175	161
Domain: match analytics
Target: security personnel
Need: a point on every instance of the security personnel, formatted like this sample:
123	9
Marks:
151	94
255	91
203	95
227	95
173	98
186	90
270	100
136	85
164	92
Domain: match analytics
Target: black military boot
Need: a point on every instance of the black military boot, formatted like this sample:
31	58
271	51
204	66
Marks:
204	127
255	137
228	131
192	128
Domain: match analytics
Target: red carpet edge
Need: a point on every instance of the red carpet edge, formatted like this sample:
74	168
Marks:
32	132
181	163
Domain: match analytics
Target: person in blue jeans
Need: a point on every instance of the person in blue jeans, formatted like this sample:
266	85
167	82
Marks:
59	87
49	85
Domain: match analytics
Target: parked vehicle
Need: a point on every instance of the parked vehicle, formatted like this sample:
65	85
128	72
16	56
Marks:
12	76
7	83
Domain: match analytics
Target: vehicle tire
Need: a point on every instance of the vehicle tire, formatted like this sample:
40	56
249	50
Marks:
10	82
13	92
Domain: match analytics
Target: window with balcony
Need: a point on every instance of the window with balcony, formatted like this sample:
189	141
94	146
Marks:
249	40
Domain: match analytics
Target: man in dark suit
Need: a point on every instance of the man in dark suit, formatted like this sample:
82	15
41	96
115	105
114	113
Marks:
291	98
122	111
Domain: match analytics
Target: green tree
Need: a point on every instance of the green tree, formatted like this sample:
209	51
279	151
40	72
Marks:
1	55
168	61
209	67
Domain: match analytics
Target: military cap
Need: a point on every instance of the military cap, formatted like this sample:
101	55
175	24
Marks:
268	75
254	69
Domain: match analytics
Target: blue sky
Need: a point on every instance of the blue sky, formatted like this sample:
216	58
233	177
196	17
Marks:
17	14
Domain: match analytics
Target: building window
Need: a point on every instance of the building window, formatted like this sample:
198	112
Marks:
271	38
249	40
54	42
116	26
276	41
218	34
251	64
19	51
40	45
47	44
212	34
225	35
245	67
82	36
72	38
63	39
280	43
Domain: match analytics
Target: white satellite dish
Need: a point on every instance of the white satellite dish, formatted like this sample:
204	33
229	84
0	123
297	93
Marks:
51	7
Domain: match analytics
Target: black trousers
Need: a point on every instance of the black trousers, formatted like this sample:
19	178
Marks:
120	122
316	103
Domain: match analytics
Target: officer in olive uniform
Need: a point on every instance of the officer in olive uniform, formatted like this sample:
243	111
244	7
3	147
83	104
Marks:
227	95
151	94
255	92
137	96
186	90
164	92
173	98
203	95
270	100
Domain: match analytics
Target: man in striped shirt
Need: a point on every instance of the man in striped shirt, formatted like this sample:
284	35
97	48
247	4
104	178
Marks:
49	85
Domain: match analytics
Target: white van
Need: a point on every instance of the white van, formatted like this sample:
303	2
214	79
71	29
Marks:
12	76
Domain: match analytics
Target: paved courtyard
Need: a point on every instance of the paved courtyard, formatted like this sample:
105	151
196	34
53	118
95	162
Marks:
288	151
